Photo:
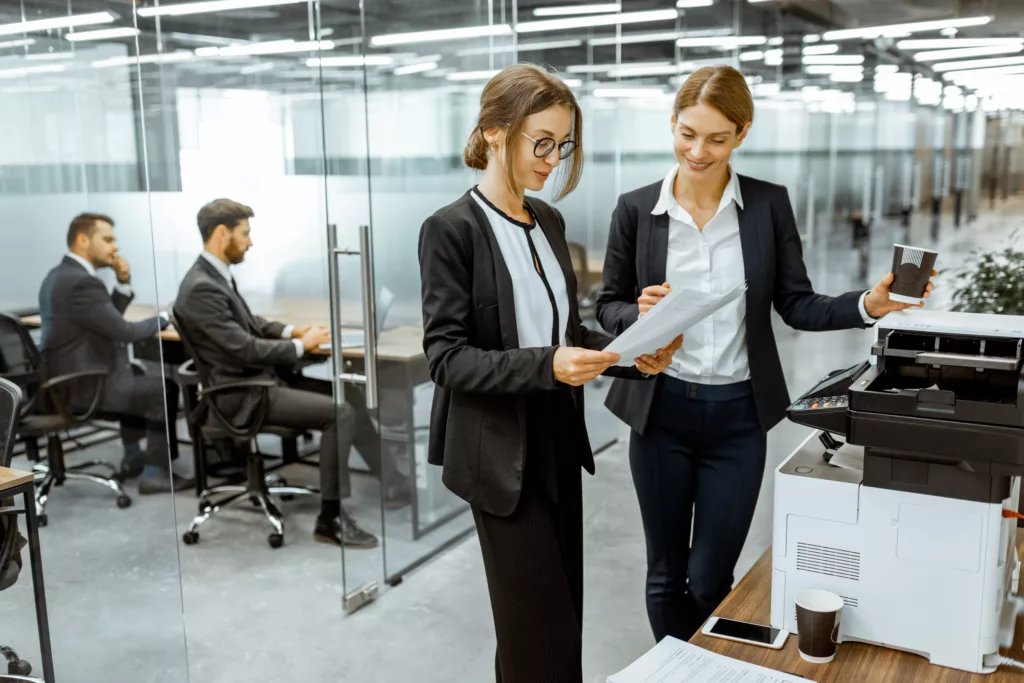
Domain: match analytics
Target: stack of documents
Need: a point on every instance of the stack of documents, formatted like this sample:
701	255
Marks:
673	661
671	317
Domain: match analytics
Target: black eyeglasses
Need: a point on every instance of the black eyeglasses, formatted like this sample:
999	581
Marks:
545	146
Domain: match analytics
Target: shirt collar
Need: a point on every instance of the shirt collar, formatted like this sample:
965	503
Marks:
221	267
667	198
89	268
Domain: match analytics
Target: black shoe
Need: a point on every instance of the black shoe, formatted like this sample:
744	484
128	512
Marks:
130	468
343	530
162	483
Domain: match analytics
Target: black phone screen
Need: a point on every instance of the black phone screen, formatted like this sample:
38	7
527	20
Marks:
744	631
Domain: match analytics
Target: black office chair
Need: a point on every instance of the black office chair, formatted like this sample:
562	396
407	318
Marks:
46	413
209	425
10	540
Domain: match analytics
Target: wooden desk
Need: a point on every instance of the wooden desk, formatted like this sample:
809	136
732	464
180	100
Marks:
14	483
855	662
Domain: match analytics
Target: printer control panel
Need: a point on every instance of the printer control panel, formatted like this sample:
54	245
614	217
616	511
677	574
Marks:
821	403
825	406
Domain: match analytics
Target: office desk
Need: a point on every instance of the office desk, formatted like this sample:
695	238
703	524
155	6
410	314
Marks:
14	483
855	662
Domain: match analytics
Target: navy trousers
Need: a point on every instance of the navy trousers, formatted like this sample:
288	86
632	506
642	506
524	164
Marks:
698	465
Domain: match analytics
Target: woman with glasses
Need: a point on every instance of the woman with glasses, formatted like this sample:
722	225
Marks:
509	356
697	449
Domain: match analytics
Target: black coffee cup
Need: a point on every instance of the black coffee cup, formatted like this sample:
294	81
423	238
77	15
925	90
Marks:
817	625
912	267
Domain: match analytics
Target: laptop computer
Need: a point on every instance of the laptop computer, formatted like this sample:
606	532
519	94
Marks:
355	338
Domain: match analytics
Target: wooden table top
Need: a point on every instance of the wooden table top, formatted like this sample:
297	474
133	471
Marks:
854	662
11	478
401	344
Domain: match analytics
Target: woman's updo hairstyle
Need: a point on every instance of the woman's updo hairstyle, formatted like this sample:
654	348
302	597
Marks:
508	99
721	87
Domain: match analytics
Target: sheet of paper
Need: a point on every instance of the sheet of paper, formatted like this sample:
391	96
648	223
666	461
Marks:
673	315
673	661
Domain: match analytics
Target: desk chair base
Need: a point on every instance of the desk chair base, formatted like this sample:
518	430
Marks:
18	679
52	476
258	491
16	666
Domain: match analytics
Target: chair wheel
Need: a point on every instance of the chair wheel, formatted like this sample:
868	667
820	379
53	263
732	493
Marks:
42	520
19	668
190	537
124	502
275	540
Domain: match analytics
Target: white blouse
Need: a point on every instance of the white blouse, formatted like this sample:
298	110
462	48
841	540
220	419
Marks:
534	312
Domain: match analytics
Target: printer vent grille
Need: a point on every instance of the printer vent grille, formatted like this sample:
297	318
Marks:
820	559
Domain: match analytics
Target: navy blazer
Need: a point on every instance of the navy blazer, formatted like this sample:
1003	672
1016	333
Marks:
775	273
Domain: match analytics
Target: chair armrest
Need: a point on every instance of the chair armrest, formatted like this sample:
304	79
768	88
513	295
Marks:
64	410
71	376
256	422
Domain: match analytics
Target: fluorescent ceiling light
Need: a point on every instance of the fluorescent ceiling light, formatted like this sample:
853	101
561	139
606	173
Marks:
355	60
415	68
821	49
57	23
50	56
773	57
935	55
834	59
723	42
776	41
753	56
846	77
256	68
978	63
103	34
183	8
826	69
690	4
519	47
944	43
270	47
639	71
21	42
812	38
157	58
982	74
568	10
901	29
471	75
659	36
462	33
603	68
887	68
573	82
598	20
628	92
29	70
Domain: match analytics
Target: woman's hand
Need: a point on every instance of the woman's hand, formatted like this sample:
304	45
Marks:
652	295
656	364
575	366
877	303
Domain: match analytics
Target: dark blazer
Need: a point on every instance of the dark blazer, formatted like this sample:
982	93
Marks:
775	273
483	378
83	328
233	343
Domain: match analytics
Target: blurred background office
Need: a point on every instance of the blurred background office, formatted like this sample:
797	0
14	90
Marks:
887	120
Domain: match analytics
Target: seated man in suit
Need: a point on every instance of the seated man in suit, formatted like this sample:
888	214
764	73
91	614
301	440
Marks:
235	344
83	328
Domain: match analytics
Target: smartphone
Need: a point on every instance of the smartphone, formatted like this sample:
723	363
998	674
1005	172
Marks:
744	632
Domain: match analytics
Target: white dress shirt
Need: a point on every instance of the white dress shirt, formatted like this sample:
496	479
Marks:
533	307
225	272
714	351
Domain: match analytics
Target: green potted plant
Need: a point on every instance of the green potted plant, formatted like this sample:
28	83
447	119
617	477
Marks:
992	282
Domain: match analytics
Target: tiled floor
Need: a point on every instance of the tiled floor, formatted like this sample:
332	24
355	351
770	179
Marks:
116	602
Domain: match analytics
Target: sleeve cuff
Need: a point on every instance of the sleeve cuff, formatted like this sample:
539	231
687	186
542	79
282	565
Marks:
299	348
286	333
124	288
868	320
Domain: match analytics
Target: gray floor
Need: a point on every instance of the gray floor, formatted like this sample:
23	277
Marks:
119	582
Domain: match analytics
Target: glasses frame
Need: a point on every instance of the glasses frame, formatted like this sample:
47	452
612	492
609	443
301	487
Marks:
562	154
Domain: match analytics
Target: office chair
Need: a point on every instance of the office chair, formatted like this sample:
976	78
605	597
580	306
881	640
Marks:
586	289
208	424
10	406
46	413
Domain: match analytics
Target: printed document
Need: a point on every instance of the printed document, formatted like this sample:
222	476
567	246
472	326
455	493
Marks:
673	661
671	317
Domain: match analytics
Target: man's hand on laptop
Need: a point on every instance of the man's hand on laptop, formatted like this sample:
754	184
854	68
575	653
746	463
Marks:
314	336
298	332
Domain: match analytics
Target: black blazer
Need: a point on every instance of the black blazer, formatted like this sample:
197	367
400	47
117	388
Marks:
775	272
233	343
83	328
483	378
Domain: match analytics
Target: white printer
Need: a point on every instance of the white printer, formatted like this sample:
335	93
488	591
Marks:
905	519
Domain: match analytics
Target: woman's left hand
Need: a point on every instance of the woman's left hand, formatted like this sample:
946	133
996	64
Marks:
877	303
656	364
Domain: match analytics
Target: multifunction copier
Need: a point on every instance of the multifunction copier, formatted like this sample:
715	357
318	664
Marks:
897	503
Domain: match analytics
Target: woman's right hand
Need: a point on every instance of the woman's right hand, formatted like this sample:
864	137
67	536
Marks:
652	295
575	366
